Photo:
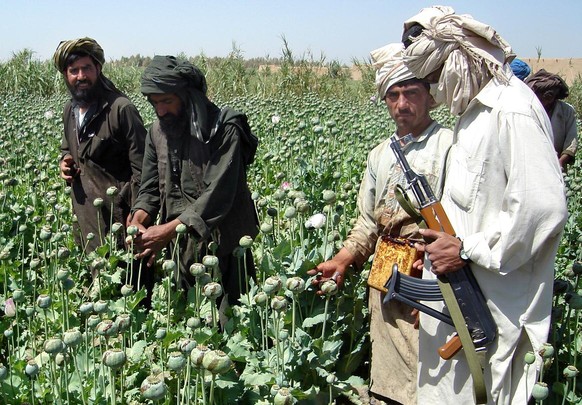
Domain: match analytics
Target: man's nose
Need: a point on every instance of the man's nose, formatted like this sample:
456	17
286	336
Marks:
161	110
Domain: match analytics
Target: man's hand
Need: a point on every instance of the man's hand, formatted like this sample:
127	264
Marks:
150	241
443	252
334	269
69	169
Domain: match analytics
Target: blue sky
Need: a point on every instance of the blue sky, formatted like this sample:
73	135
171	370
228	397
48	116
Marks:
340	30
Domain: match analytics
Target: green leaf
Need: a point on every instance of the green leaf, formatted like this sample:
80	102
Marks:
135	352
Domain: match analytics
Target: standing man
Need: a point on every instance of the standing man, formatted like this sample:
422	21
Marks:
504	194
551	89
194	173
425	142
103	141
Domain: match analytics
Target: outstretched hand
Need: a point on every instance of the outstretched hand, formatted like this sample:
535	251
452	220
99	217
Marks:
333	269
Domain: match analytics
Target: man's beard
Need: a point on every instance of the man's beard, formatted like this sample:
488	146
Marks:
174	125
84	96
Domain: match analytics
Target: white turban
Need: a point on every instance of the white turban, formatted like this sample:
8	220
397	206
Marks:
469	51
390	68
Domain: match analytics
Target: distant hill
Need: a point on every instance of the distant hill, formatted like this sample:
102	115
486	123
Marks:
568	69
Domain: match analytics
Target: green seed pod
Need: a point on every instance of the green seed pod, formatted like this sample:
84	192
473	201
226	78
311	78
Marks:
331	378
318	129
577	268
181	229
212	290
34	263
63	252
132	230
53	346
86	308
329	287
161	333
101	306
530	358
186	345
278	303
290	212
574	300
112	191
126	290
68	284
561	286
217	362
62	274
176	361
31	368
197	355
272	285
90	236
8	333
261	298
210	261
295	284
45	233
43	301
570	372
272	212
283	335
328	197
123	322
153	388
116	228
106	328
93	321
3	372
114	358
255	196
246	242
22	228
193	322
169	266
283	397
274	389
98	264
98	202
547	351
279	195
72	337
540	391
266	227
29	311
197	269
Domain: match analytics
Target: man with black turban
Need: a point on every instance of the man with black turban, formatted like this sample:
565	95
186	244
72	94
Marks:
551	89
103	142
194	173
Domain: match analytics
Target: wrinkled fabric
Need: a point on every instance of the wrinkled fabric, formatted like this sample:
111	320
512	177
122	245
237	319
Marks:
393	337
204	185
505	198
520	69
468	51
108	148
543	81
564	128
390	68
166	74
82	45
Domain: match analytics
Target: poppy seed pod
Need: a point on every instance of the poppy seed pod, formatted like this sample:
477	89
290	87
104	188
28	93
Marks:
100	307
530	358
210	261
93	321
278	303
217	362
246	242
132	230
98	202
176	361
181	229
72	337
283	397
272	285
212	290
329	287
197	269
43	301
86	308
153	388
197	354
123	322
107	328
31	368
540	391
295	284
3	372
112	191
169	266
126	290
114	358
53	346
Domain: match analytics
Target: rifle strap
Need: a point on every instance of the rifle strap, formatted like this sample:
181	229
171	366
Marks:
466	340
407	206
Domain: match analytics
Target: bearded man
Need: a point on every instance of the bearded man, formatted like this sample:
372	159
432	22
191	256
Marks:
103	142
194	173
504	195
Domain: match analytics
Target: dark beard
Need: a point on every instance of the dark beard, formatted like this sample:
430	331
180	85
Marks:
84	97
174	126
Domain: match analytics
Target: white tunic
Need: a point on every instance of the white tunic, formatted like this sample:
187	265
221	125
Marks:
505	197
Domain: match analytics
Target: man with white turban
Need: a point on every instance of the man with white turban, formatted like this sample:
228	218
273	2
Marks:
504	194
425	142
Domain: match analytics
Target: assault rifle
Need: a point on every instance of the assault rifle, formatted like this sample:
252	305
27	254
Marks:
410	290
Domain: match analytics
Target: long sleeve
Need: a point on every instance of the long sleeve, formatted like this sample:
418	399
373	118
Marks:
134	134
148	197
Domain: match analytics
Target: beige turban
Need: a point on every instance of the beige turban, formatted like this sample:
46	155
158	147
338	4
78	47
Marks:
390	68
470	53
82	45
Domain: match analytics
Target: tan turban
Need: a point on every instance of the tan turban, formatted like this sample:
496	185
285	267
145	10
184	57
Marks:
82	45
470	53
390	68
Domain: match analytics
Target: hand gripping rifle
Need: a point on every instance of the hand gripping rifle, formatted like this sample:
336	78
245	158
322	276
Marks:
471	317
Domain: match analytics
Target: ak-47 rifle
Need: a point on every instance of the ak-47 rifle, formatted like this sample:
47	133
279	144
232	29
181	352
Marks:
410	290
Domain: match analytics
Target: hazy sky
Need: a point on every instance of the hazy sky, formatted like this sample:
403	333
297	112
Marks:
341	30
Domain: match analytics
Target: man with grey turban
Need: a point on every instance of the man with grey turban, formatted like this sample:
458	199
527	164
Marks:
551	90
501	162
103	142
195	174
393	336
